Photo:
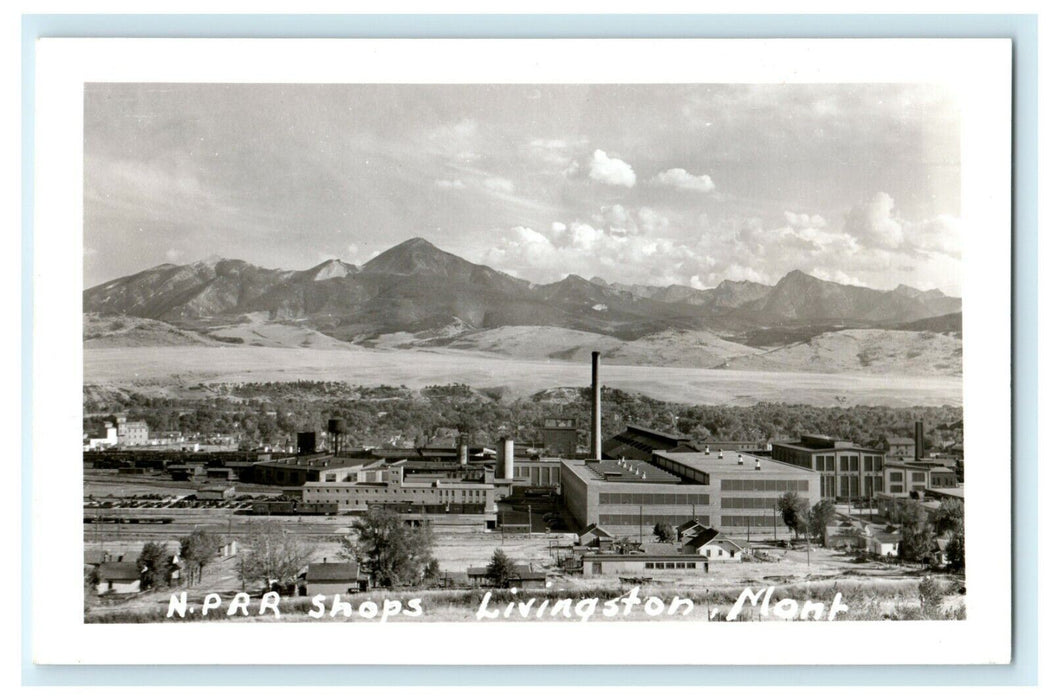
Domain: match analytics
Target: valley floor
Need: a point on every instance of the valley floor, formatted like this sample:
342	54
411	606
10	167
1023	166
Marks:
163	370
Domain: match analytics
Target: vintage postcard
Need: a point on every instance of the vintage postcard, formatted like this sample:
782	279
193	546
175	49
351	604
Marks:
588	347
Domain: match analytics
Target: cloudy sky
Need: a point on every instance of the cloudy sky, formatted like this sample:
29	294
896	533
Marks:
654	184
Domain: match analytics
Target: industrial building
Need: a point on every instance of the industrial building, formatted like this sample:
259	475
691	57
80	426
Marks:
848	471
438	501
636	442
721	490
297	471
902	478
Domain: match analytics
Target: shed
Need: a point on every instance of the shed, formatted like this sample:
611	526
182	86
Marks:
324	578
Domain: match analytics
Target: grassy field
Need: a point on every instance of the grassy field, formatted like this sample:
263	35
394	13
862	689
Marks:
164	370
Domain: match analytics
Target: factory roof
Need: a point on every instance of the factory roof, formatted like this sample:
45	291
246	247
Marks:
728	465
822	443
629	471
333	573
320	461
900	441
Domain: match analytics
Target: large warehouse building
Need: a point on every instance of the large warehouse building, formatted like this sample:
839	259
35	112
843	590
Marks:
727	490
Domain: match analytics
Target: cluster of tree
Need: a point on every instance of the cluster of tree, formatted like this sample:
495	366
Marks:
799	517
269	412
391	552
271	556
196	551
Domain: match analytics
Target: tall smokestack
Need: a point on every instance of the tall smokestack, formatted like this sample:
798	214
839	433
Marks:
597	415
918	440
506	458
462	449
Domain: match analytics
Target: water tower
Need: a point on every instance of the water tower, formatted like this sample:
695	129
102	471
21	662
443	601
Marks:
337	429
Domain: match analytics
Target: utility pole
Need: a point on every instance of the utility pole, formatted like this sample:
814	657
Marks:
774	509
529	514
641	524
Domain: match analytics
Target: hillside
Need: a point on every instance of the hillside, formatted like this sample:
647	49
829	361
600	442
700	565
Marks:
874	351
130	331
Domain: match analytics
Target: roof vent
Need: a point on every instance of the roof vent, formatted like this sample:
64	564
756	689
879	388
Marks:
706	449
643	477
741	460
757	465
720	455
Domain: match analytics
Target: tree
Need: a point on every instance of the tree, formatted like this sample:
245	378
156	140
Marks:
949	517
500	569
793	510
664	532
931	597
820	515
197	550
955	552
272	556
155	566
390	551
432	572
918	538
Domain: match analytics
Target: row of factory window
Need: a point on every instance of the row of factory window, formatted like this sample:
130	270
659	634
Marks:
751	521
443	495
915	477
743	503
670	565
848	463
607	498
775	485
649	520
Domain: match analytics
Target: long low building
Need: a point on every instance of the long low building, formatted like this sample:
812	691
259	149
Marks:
727	490
468	502
297	471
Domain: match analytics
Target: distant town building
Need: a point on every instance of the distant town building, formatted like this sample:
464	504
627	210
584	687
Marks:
131	433
325	578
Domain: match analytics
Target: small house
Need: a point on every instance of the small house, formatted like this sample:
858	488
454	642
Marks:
324	578
117	577
710	543
593	536
883	544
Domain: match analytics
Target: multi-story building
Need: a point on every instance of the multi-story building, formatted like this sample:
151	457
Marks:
386	486
902	478
848	471
636	442
726	490
131	432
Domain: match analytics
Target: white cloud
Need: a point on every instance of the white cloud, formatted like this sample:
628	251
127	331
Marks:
611	171
942	234
680	179
449	184
499	184
804	220
873	222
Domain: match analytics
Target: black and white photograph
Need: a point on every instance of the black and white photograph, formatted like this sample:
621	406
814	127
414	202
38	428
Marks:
540	351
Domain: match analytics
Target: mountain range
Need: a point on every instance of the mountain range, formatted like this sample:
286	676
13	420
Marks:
415	287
